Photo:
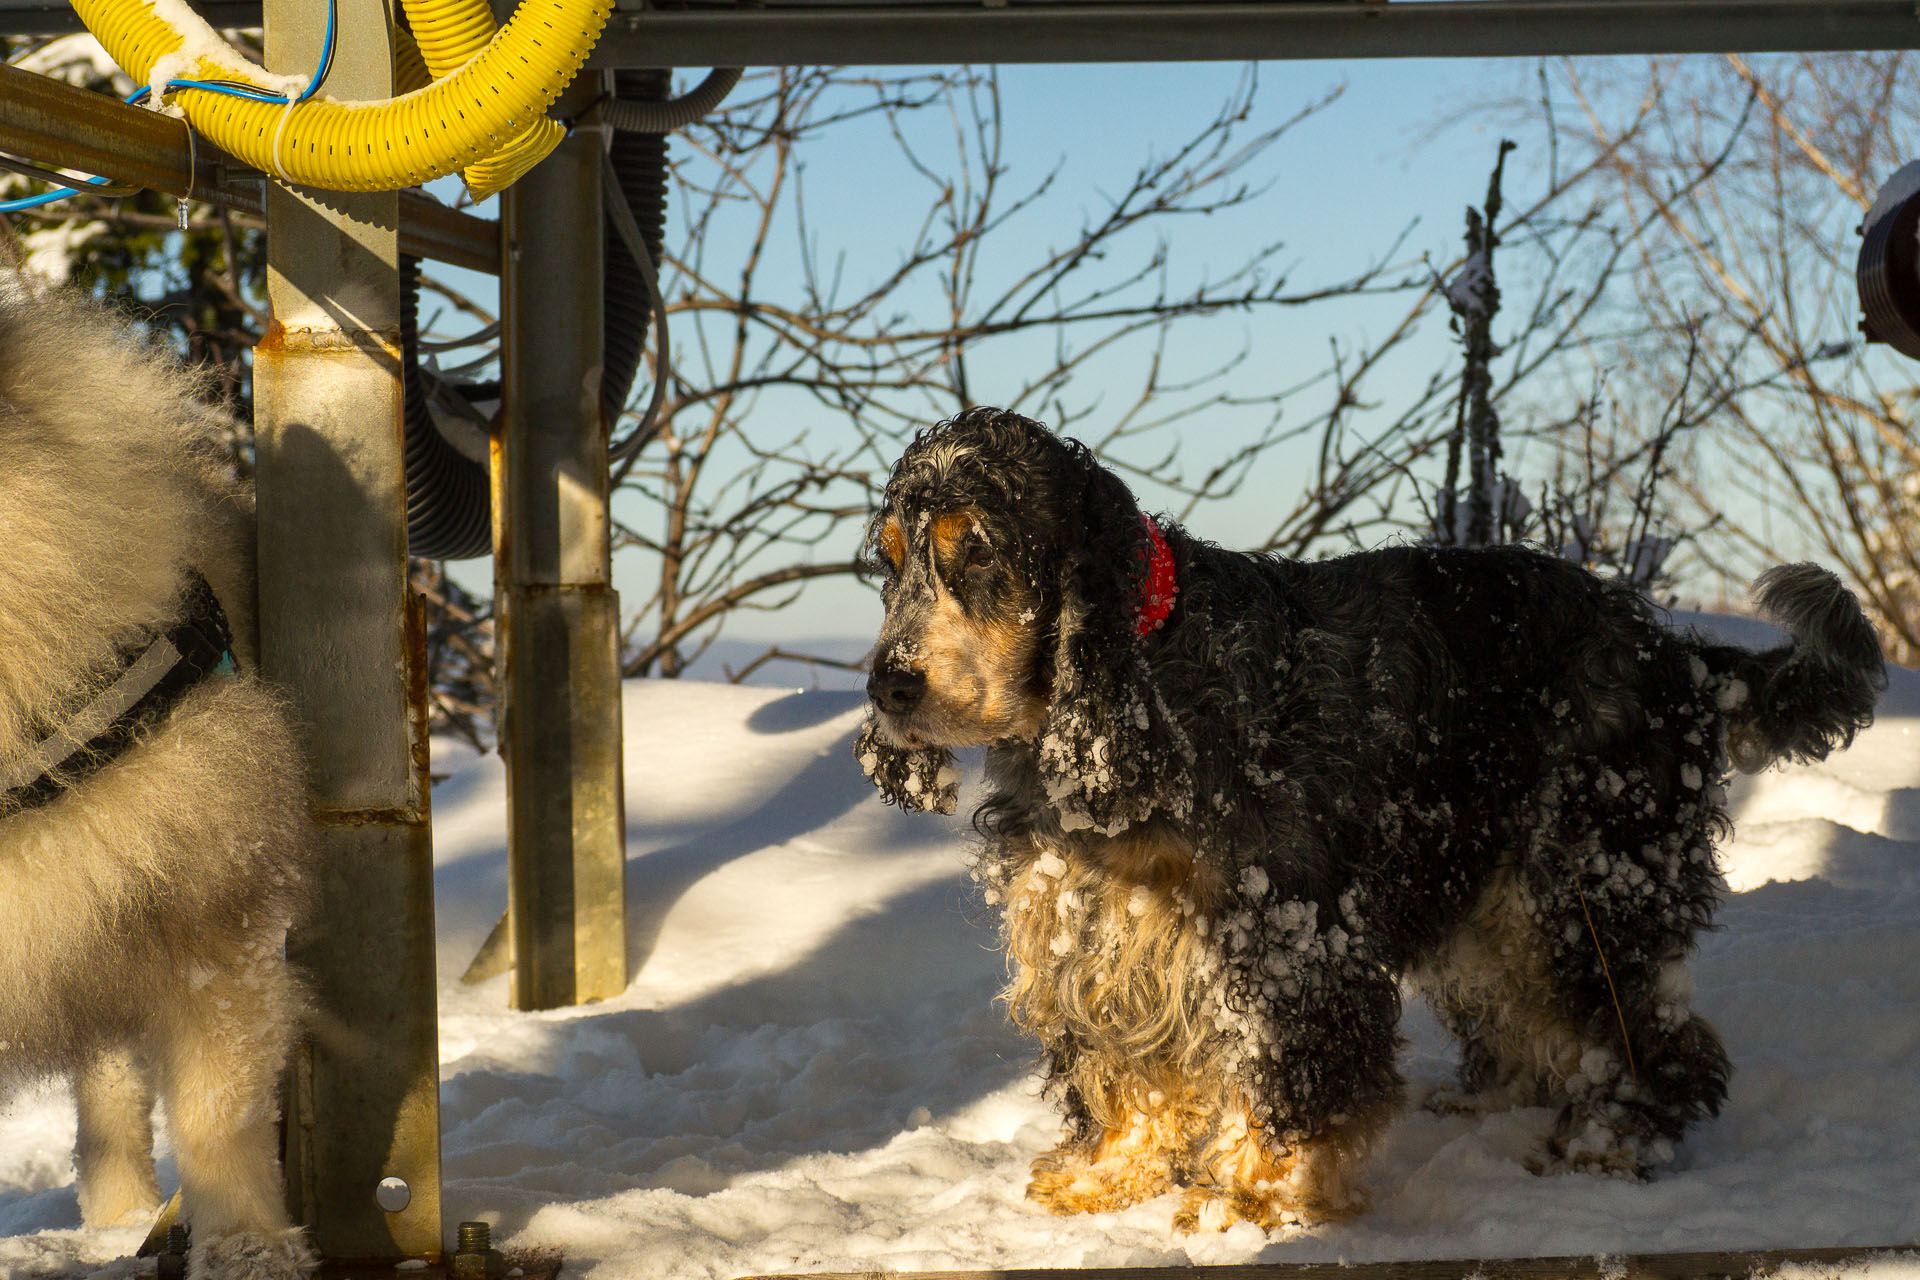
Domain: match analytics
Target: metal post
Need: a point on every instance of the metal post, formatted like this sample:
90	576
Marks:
558	615
342	633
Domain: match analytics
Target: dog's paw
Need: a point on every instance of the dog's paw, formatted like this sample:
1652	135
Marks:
278	1255
1599	1149
1202	1209
1454	1100
1067	1181
1270	1208
135	1211
119	1193
1446	1100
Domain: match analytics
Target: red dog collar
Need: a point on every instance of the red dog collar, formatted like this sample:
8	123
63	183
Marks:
1158	591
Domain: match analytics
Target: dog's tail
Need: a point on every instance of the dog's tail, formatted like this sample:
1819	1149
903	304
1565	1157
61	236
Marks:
1808	697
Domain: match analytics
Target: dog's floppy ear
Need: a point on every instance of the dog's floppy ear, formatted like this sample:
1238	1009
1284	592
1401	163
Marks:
1110	754
911	777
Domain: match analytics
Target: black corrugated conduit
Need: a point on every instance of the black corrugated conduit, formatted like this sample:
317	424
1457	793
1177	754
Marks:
640	167
449	498
644	112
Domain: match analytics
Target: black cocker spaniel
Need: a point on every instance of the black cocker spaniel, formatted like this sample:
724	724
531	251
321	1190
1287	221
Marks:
1235	800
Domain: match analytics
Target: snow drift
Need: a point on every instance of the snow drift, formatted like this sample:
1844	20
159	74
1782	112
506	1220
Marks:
809	1071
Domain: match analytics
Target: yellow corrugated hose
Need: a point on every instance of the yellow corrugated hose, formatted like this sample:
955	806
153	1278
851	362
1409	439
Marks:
450	33
487	113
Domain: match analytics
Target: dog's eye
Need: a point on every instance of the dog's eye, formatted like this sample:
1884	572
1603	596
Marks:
891	545
979	555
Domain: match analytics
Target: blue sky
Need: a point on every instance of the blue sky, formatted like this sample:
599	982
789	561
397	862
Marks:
1345	183
1398	146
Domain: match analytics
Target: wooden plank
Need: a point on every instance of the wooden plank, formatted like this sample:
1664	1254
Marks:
521	1264
1716	1265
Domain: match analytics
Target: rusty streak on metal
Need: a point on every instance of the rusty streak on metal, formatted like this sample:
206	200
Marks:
536	589
370	817
321	341
59	124
419	704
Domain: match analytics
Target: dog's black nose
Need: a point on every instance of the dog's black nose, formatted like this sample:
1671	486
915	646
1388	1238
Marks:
896	691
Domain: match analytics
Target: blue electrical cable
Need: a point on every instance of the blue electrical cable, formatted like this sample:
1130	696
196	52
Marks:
45	197
227	88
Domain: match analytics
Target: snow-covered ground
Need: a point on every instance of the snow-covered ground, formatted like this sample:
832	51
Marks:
809	1070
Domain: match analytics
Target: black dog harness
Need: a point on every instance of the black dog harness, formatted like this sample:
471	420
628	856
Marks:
152	677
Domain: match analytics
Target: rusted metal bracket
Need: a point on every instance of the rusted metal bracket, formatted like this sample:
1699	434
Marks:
54	123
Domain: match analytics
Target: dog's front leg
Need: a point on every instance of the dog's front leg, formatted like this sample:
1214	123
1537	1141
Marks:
221	1082
114	1154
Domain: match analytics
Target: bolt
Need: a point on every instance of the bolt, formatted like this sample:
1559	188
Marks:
476	1258
173	1255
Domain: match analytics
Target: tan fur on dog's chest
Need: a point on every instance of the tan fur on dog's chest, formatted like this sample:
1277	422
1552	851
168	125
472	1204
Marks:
1111	940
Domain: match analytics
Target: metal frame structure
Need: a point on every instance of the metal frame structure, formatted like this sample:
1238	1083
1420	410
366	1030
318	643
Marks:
96	134
931	31
557	615
341	631
909	32
339	627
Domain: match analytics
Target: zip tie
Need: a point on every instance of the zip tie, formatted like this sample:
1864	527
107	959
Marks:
279	170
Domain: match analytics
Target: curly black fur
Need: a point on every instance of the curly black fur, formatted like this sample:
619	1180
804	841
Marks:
1366	752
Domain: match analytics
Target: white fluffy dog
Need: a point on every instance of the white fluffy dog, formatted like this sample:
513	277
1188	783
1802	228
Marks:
152	811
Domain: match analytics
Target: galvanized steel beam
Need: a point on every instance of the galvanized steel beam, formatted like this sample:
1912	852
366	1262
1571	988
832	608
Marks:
40	18
559	617
67	127
342	633
932	33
